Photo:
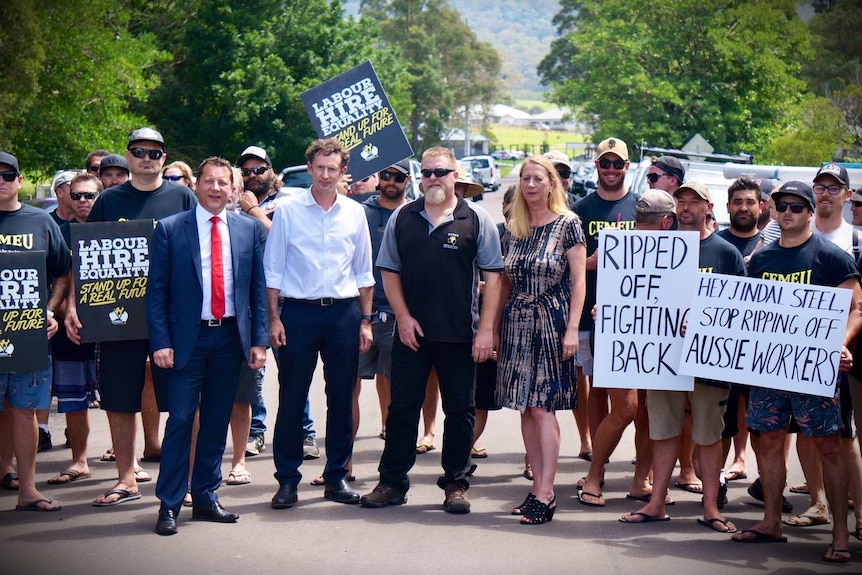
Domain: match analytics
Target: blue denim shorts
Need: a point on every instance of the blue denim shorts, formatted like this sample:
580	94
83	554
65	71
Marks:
26	389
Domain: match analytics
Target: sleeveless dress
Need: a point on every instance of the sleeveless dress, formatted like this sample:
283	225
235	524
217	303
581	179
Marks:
531	371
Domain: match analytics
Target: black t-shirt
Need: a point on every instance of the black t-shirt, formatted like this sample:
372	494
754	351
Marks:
816	262
31	229
597	213
125	202
719	257
744	245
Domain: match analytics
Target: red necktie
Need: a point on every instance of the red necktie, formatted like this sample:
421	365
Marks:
217	271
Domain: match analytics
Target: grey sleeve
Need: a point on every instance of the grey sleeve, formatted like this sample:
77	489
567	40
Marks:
489	256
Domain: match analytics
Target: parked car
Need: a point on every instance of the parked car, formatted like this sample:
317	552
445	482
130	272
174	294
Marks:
507	155
489	175
295	179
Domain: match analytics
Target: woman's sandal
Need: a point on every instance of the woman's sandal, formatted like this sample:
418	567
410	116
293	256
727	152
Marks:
536	512
519	510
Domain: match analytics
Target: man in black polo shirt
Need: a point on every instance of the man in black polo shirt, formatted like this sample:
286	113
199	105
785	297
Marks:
432	251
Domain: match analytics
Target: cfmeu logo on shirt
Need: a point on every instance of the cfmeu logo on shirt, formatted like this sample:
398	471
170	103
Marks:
452	241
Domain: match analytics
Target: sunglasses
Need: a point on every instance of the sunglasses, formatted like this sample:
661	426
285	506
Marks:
438	172
604	164
93	168
173	178
833	190
9	175
564	174
397	176
141	152
83	195
653	178
246	172
795	207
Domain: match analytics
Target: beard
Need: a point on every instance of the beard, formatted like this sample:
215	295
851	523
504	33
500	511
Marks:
612	187
259	187
435	195
744	223
392	193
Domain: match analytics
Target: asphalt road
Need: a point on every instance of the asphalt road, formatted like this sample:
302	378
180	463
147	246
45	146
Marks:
320	537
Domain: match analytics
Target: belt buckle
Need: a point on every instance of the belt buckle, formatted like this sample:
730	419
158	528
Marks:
213	322
326	301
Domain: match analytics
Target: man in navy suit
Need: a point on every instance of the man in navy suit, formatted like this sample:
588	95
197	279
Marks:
207	310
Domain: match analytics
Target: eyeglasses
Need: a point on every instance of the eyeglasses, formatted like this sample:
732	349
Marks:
795	207
246	172
83	195
397	176
173	178
438	172
653	178
93	168
564	174
833	190
141	152
9	175
605	163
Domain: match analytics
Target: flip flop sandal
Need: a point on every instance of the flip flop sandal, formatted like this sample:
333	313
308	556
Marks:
71	474
108	455
125	495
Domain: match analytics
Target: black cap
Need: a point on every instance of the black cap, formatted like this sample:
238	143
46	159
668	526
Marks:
254	152
9	159
836	171
114	161
672	167
794	188
146	135
403	166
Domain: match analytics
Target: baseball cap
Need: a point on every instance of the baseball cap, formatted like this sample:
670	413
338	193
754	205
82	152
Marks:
63	178
766	187
698	188
114	161
146	135
857	196
612	146
656	202
403	166
471	188
671	166
836	171
254	152
795	188
557	157
10	160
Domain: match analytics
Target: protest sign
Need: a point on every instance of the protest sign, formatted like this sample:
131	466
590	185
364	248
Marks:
23	306
766	333
110	265
644	286
354	108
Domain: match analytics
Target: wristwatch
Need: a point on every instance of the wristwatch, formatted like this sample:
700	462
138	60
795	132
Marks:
368	317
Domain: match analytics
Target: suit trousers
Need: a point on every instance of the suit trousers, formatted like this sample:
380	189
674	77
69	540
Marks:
332	333
456	372
208	380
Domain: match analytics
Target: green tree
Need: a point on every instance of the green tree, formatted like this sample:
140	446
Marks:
22	59
451	70
236	75
84	72
821	130
663	72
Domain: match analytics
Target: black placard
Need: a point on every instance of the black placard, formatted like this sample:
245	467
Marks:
23	301
110	266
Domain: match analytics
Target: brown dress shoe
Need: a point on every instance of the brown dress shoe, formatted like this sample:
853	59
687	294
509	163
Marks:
456	498
383	496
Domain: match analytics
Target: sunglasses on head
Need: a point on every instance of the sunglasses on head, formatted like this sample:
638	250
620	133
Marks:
9	175
438	172
653	178
795	207
93	168
141	152
173	178
605	163
564	174
83	195
397	176
246	172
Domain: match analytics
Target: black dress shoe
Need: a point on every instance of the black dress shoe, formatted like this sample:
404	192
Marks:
285	497
167	523
213	512
340	492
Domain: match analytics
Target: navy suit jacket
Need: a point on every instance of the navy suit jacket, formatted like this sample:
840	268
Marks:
174	292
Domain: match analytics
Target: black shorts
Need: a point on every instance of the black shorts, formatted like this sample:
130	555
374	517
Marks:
731	414
122	368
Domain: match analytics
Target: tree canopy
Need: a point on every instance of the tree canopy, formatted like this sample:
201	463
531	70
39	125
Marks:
729	70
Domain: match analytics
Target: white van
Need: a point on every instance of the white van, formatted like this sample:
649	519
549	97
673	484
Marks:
486	167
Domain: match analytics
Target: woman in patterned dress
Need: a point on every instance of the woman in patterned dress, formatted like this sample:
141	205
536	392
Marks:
543	288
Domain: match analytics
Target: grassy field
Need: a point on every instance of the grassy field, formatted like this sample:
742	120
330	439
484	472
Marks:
531	140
